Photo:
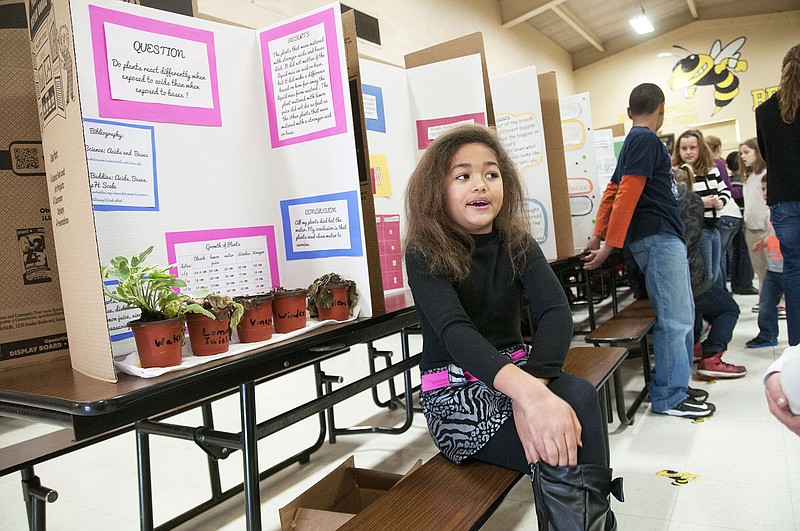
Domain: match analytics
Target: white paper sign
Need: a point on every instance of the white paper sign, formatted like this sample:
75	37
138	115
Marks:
320	226
304	101
121	165
155	68
234	266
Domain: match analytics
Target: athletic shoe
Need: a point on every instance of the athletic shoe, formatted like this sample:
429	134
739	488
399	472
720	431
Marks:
754	309
698	351
714	367
781	312
698	395
690	409
758	342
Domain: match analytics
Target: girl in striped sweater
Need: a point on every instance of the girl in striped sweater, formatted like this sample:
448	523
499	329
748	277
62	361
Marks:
691	149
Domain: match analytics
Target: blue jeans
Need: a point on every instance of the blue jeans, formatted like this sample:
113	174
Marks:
728	227
768	298
718	308
710	251
662	258
785	217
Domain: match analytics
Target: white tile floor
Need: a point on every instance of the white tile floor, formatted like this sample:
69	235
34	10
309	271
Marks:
747	465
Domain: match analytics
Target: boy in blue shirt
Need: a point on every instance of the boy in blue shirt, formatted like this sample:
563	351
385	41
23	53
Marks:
640	210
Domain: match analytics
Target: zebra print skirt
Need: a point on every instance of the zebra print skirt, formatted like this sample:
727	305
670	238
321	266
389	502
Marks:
465	415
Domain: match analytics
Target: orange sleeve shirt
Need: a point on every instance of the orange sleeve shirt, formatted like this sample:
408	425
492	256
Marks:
616	209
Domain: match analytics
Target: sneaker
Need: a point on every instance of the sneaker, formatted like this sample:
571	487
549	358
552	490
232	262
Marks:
698	351
781	312
698	395
758	342
690	409
714	367
754	309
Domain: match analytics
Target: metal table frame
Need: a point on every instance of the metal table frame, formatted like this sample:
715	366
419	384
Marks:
56	394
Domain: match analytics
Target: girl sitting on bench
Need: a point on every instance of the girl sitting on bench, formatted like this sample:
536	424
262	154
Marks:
470	258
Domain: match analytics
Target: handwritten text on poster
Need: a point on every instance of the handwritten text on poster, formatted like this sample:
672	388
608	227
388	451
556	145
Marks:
321	226
303	80
152	70
122	165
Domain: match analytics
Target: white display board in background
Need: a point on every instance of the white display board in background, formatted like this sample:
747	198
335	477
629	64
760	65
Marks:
518	118
606	157
405	109
579	152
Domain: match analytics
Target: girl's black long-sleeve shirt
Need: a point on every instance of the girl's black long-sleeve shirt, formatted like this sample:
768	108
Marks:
469	322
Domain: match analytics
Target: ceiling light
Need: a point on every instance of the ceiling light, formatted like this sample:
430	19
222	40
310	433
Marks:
641	24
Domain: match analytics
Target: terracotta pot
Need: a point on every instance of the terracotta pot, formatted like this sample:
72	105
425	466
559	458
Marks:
289	310
340	310
256	323
158	342
206	335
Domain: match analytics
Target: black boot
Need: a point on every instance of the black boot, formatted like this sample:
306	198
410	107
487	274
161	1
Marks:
574	498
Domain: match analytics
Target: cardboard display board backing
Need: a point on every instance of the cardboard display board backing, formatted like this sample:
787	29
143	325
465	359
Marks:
551	120
32	325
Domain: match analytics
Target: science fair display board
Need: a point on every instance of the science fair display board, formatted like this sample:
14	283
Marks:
579	151
232	151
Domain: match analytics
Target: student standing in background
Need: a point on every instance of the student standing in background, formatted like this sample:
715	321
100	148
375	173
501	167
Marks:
778	128
756	212
730	218
691	149
741	270
639	209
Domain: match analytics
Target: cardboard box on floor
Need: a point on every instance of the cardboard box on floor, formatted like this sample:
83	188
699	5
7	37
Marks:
31	315
338	497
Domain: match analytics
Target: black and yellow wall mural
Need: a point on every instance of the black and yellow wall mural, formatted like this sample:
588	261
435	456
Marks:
719	68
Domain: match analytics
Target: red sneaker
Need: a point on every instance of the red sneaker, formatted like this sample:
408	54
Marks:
714	367
698	351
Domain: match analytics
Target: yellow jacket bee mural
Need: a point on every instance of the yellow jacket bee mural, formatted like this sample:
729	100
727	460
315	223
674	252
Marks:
717	68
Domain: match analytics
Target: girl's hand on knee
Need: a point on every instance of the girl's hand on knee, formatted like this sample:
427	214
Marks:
547	426
548	429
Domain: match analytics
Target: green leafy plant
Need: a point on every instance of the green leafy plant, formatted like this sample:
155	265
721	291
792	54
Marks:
148	288
320	295
215	306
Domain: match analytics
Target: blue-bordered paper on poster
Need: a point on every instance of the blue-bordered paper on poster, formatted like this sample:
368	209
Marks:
374	117
322	226
118	316
122	165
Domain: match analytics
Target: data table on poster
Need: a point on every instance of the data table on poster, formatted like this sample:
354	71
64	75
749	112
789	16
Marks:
232	266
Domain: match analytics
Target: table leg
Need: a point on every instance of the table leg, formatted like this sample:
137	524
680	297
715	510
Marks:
145	481
252	494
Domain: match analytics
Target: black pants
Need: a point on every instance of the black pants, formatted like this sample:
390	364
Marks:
505	448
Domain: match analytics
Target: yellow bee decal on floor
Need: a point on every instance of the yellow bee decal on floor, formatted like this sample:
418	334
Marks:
678	478
717	68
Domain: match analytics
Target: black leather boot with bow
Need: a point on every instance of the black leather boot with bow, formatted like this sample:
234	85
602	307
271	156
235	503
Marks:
574	498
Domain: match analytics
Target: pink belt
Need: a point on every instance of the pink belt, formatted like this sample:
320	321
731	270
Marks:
442	378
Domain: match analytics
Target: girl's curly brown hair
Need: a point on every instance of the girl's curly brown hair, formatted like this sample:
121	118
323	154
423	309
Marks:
431	231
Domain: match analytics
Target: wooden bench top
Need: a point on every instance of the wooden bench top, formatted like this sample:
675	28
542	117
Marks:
451	496
594	364
630	324
441	495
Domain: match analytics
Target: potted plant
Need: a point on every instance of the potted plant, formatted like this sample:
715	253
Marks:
159	330
256	323
331	297
289	309
210	318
